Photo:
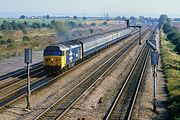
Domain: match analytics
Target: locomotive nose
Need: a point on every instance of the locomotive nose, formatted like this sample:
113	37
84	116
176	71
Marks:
52	60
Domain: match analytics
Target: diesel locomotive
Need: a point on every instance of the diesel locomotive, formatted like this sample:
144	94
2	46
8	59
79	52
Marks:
62	56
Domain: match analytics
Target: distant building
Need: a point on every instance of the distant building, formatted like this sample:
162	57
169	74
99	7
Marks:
33	17
39	17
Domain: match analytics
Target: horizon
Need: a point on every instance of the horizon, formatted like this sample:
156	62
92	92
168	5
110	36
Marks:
95	8
18	14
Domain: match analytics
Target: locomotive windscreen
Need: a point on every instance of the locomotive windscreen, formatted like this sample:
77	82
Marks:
53	53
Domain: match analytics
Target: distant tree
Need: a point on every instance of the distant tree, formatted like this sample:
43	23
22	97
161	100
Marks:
84	18
162	20
26	23
105	23
53	22
80	25
168	29
21	25
26	38
93	24
48	16
1	28
14	25
4	25
22	17
75	17
10	40
3	41
124	18
52	25
142	19
36	25
44	25
172	35
72	24
7	26
118	18
133	19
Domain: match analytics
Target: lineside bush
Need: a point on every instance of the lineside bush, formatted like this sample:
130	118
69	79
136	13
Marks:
171	68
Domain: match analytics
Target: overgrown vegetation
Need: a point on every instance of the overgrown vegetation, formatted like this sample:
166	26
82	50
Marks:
171	67
14	44
162	20
25	39
6	42
172	35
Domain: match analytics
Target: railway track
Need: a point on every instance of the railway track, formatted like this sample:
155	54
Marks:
14	80
124	101
36	84
62	105
6	91
12	84
17	78
19	72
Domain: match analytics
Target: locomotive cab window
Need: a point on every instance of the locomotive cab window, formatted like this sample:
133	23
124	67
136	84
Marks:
53	52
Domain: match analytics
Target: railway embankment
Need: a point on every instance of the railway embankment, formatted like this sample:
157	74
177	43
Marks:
171	69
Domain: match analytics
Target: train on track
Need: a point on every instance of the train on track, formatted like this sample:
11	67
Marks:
62	56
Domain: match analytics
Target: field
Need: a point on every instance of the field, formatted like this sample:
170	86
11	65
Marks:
171	68
36	38
48	21
176	25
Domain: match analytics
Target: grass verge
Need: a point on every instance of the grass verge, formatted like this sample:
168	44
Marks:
171	68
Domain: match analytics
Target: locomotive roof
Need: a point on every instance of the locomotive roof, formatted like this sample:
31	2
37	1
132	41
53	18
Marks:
65	45
94	38
90	39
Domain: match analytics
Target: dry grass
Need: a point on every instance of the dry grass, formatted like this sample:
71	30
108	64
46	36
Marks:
39	39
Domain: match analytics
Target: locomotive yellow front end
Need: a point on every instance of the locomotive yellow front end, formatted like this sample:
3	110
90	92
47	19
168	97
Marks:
54	59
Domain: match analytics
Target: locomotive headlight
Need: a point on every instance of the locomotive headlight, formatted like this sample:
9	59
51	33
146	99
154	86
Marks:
51	59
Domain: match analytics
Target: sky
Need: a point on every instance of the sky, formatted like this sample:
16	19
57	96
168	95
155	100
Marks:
152	8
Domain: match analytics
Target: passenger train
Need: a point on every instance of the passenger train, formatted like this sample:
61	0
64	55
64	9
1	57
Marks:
62	56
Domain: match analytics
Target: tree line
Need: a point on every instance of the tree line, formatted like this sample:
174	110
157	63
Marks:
13	25
22	25
162	20
172	35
